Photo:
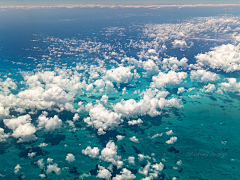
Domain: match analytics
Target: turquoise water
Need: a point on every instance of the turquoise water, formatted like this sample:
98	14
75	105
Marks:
68	83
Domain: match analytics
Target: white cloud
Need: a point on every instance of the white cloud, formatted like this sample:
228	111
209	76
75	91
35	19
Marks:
145	170
131	160
40	163
174	64
231	86
134	139
17	168
225	57
157	135
169	79
53	168
92	152
32	154
15	122
209	88
102	119
158	167
203	76
125	175
70	157
49	160
150	67
134	122
103	173
109	154
141	157
172	140
181	90
119	137
179	44
3	136
119	75
169	133
43	145
50	124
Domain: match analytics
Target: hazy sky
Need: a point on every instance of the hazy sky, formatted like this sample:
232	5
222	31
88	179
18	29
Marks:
122	2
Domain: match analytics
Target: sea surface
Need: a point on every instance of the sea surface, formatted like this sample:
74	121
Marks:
120	93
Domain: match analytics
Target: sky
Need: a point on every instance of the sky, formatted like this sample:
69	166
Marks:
117	2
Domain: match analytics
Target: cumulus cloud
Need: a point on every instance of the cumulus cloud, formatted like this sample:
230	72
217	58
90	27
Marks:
119	75
150	67
17	168
231	86
172	140
209	88
149	104
169	133
125	175
50	124
169	79
103	173
70	157
40	163
134	122
109	154
145	170
102	119
53	168
134	139
32	154
119	137
22	128
92	152
181	90
174	64
203	76
179	44
225	57
3	136
131	160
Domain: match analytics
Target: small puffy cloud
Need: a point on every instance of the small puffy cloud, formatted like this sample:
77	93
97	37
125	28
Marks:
3	136
231	86
75	117
32	154
209	88
141	157
49	160
53	168
157	135
172	63
134	122
225	57
131	160
119	137
125	175
103	173
42	176
102	119
40	163
150	67
181	90
50	124
15	122
203	76
172	140
145	170
4	112
158	167
17	168
134	139
42	145
119	75
109	154
92	152
169	79
70	157
169	132
179	44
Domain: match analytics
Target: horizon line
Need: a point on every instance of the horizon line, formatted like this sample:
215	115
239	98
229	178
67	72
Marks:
70	6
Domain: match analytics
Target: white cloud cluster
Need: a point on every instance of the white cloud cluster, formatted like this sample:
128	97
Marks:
109	154
225	57
181	44
169	79
172	63
134	139
149	104
3	136
102	119
209	88
119	75
70	157
172	140
231	86
22	128
17	168
203	76
125	175
134	122
6	85
50	124
92	152
103	173
53	168
150	67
